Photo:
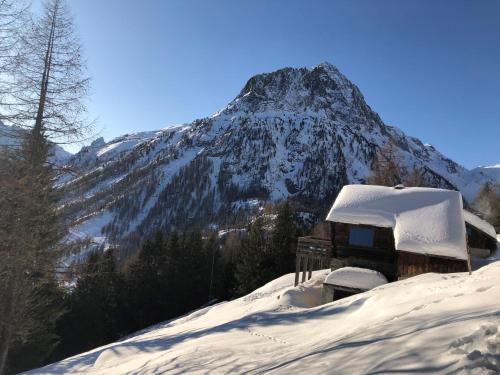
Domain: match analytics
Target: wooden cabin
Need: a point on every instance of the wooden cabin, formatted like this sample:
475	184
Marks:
481	236
399	232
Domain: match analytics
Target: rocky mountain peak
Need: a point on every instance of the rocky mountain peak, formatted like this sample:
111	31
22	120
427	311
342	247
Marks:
322	89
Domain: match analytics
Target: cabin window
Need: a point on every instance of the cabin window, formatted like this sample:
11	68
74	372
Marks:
360	236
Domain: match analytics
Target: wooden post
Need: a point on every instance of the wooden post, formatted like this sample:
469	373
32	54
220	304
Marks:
298	257
304	267
311	266
468	255
332	239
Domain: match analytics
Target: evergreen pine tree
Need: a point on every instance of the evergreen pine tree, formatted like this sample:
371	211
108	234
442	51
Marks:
282	241
194	267
487	202
36	348
230	250
214	269
94	308
253	264
146	283
172	272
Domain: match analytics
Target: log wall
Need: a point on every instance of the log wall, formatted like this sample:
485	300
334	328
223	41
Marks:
411	264
381	257
479	240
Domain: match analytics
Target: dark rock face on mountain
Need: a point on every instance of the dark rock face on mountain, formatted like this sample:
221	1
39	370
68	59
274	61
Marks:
298	134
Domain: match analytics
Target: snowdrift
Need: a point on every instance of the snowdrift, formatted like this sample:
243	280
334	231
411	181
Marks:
434	323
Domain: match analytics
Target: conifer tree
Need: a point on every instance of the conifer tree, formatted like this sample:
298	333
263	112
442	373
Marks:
36	348
147	283
195	265
253	264
48	103
230	252
28	243
172	266
487	202
214	270
282	241
95	307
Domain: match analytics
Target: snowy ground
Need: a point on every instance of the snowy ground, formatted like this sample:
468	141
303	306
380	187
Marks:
432	323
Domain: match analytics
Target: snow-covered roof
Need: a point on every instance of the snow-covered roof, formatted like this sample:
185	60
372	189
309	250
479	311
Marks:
479	223
424	220
357	278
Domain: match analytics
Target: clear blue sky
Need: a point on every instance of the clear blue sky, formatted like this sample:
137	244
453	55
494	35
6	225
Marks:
431	67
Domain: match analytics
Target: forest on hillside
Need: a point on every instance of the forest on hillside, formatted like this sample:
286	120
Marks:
171	275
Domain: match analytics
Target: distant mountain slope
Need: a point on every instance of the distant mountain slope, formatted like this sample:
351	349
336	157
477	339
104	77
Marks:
11	136
431	323
299	134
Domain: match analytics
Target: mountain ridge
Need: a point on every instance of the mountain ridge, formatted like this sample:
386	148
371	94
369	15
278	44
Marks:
296	133
11	136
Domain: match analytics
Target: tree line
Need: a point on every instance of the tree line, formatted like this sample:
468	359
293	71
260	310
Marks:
171	275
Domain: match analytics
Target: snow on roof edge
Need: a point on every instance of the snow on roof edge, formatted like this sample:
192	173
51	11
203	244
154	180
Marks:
479	223
409	212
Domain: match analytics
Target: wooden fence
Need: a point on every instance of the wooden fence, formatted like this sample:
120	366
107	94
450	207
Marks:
312	254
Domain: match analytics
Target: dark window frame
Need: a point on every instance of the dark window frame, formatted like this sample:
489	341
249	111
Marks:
361	240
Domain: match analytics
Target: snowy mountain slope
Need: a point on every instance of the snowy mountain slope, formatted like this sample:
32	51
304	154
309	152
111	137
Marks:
431	323
10	136
299	134
475	179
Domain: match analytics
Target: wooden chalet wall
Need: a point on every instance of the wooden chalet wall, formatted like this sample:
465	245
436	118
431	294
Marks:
411	264
384	258
313	253
381	257
479	240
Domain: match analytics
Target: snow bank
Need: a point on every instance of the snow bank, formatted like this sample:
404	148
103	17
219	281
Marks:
479	223
431	323
424	220
357	278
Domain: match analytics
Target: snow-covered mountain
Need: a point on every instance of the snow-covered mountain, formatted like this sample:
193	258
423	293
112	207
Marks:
431	323
11	136
299	134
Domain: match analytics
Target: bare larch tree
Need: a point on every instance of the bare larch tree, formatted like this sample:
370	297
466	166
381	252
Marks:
49	103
